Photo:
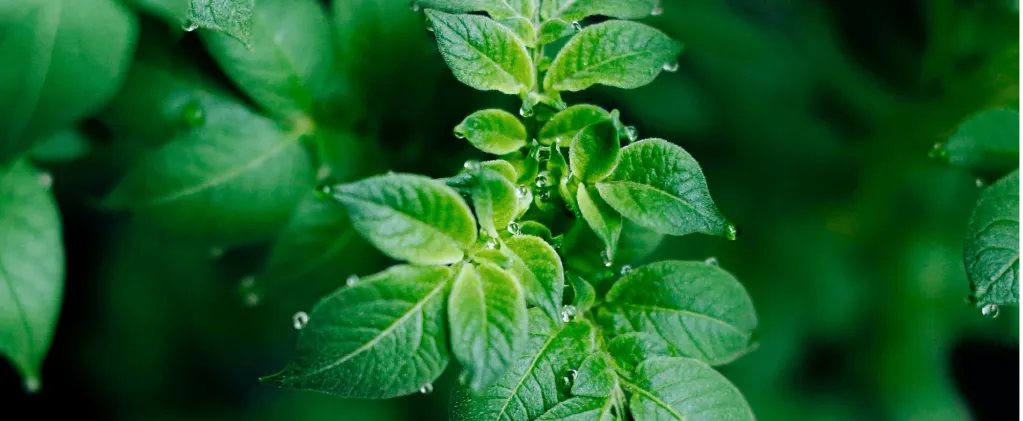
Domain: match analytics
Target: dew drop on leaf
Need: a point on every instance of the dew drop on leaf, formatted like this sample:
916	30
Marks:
472	165
568	313
463	378
491	244
514	228
45	179
605	256
990	310
414	7
577	26
671	67
626	269
32	384
713	261
731	232
324	191
979	182
521	191
569	378
251	299
657	11
938	151
426	389
458	133
299	320
190	26
193	114
352	280
631	133
526	111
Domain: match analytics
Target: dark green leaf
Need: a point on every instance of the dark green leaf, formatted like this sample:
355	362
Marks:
63	59
487	313
31	269
660	186
616	53
594	152
410	217
988	141
482	53
992	246
595	378
697	308
286	59
584	295
602	219
574	10
381	338
63	146
494	199
493	131
538	267
233	17
631	349
566	124
684	389
313	242
579	409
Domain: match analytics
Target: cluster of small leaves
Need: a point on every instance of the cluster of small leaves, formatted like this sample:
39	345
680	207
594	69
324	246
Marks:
486	276
988	144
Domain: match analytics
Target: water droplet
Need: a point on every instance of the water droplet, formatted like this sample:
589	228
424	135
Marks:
251	299
324	191
990	310
32	384
299	320
568	313
428	23
526	111
190	26
216	252
491	244
979	182
463	378
631	133
521	191
514	228
569	378
45	179
713	261
577	26
472	165
352	280
626	269
545	196
193	114
426	389
543	180
671	67
605	255
414	7
557	242
657	11
731	232
938	151
558	142
458	133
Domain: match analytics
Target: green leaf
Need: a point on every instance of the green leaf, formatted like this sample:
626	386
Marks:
574	10
580	409
63	146
584	295
583	250
565	125
602	219
31	269
64	59
488	317
991	253
536	229
700	310
286	60
660	186
410	217
482	53
494	199
615	53
553	30
684	389
233	17
594	152
498	9
505	168
532	386
988	141
384	337
312	243
523	28
631	349
235	179
595	377
493	131
538	267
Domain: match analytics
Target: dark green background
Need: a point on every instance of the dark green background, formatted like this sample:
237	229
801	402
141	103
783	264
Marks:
812	122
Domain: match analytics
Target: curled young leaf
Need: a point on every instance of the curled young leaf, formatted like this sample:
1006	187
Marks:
584	296
493	197
383	337
565	125
684	389
482	53
594	152
536	264
992	245
410	217
493	131
603	220
660	186
622	54
575	10
488	318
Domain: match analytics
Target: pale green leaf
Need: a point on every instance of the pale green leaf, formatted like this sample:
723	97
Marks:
505	168
622	54
594	152
574	10
62	61
384	337
554	29
495	201
538	267
482	53
286	60
565	125
699	309
523	28
991	253
233	17
602	219
488	318
684	389
31	269
584	296
410	217
493	131
988	141
660	186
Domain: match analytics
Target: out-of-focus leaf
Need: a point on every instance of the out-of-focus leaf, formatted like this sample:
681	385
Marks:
63	146
312	243
992	244
988	141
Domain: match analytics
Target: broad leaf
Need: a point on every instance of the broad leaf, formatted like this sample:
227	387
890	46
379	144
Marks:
660	186
286	60
684	389
523	28
992	245
580	409
602	219
622	54
596	377
988	141
482	53
312	244
700	310
574	10
584	251
494	199
631	349
534	385
235	179
498	9
536	264
410	217
565	125
584	296
63	59
487	313
493	131
380	338
233	17
506	169
31	269
594	152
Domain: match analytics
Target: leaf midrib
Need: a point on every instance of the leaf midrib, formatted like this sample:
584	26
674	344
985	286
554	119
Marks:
654	398
411	218
532	364
689	313
490	59
644	187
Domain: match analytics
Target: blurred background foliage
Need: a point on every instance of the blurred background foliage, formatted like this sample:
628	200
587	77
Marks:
812	121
